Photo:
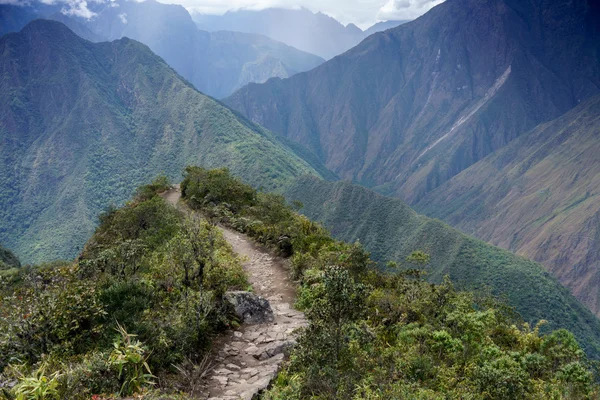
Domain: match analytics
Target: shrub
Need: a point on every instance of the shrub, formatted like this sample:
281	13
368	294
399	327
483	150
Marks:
129	359
37	386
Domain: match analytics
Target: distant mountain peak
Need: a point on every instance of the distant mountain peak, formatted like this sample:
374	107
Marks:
313	32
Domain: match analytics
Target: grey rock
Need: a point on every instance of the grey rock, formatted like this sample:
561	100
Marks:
250	308
274	349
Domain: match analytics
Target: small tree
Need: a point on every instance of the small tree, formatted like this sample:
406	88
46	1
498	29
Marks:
325	345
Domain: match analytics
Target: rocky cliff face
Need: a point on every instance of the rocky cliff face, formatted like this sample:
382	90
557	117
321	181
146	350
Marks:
411	107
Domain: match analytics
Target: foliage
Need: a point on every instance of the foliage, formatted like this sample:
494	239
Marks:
129	359
384	335
392	231
150	272
159	185
38	386
264	216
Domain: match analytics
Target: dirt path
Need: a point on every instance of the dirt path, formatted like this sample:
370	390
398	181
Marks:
248	359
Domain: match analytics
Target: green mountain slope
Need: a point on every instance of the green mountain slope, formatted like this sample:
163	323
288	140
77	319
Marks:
410	107
83	124
539	197
391	231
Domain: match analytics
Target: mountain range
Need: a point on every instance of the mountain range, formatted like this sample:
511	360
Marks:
314	33
216	63
83	124
414	111
481	113
411	107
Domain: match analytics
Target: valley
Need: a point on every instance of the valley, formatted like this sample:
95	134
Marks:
223	200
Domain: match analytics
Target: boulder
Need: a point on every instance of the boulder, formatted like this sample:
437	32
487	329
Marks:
250	308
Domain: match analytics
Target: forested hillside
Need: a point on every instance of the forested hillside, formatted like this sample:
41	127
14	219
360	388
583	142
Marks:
82	124
391	230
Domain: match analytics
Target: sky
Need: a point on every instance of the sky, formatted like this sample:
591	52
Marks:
363	13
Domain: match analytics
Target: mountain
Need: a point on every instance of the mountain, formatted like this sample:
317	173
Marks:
14	17
409	108
79	28
314	33
539	197
82	124
216	63
383	26
391	230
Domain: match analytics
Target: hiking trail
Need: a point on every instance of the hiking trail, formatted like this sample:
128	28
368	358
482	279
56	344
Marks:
248	359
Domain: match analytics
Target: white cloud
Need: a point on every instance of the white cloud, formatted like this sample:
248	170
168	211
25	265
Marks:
363	13
76	8
123	17
406	9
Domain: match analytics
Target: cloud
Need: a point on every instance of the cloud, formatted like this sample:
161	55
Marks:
77	8
123	17
406	9
360	12
363	13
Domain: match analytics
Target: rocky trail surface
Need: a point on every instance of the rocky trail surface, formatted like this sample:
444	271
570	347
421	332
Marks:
248	359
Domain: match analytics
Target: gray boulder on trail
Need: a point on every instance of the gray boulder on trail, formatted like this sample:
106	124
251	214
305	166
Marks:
250	308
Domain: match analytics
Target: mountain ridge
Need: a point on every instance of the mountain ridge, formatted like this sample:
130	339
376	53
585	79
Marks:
316	33
83	124
216	63
411	107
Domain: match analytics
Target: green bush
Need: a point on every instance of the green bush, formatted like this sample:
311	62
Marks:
150	272
381	335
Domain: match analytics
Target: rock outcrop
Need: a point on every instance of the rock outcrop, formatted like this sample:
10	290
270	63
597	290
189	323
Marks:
250	308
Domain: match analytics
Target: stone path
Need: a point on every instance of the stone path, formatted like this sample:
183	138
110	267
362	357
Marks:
247	360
